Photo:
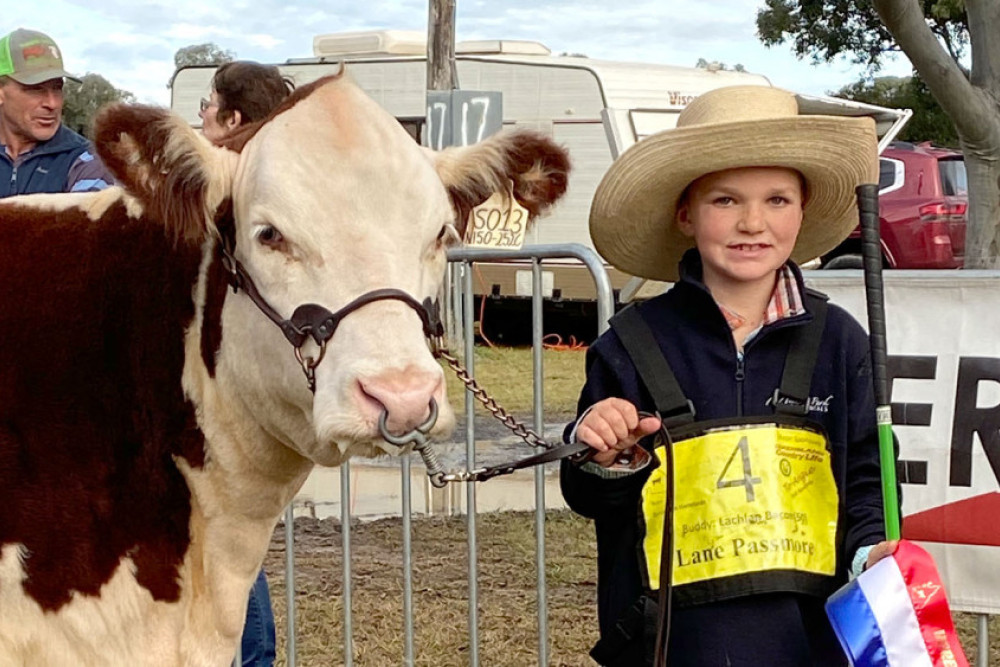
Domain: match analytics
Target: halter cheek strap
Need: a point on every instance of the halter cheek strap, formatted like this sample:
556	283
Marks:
312	320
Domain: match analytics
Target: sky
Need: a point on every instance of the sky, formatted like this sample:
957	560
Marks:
132	42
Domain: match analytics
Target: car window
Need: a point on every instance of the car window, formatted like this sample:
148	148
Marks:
890	175
954	180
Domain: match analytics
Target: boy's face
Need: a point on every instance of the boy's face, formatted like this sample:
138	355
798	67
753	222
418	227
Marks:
744	223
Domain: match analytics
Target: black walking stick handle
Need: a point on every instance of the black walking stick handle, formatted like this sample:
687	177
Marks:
871	253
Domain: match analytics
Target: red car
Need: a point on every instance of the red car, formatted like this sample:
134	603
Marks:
923	205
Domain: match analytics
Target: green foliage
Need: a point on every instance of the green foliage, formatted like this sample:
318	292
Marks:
202	54
715	64
208	53
824	29
929	122
82	100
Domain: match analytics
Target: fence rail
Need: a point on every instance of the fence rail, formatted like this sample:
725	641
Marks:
460	316
460	325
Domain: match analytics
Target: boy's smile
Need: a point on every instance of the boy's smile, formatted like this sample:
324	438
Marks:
744	222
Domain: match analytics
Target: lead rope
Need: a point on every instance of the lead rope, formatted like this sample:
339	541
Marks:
577	452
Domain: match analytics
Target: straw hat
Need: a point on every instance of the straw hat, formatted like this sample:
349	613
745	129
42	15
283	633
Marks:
632	218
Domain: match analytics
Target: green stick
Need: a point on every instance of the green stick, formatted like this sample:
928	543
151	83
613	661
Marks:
871	252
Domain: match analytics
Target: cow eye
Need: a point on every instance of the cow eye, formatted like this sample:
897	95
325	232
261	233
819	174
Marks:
448	236
270	236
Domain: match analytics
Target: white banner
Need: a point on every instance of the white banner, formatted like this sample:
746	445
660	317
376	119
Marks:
943	331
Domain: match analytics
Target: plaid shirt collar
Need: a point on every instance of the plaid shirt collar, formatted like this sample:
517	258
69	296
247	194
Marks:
786	301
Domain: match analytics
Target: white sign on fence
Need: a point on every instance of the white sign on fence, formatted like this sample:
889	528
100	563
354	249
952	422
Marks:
943	331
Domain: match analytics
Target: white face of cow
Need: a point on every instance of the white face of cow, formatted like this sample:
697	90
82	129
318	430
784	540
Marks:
331	199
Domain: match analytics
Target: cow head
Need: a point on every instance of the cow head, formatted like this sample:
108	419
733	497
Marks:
327	199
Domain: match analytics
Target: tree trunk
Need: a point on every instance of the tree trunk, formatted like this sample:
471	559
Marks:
441	45
973	106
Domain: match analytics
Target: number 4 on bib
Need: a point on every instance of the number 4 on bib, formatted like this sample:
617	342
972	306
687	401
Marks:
747	480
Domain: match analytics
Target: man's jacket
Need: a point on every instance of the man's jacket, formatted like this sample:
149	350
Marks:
64	163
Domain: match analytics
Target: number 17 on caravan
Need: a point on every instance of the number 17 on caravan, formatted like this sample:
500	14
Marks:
499	222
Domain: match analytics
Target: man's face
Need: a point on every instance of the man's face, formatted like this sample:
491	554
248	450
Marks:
32	113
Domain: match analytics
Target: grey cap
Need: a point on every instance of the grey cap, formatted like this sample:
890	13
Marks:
30	57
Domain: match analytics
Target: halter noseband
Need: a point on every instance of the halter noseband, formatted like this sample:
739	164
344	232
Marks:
312	320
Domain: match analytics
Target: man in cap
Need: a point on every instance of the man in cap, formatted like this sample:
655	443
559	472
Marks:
37	152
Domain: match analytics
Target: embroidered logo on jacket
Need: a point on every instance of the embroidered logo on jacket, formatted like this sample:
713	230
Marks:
815	404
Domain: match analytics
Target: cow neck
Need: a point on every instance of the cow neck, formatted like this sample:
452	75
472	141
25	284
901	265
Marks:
312	320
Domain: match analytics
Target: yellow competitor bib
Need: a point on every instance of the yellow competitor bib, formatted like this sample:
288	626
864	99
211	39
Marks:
747	498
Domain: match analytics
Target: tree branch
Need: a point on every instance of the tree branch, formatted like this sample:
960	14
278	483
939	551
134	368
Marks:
965	105
984	17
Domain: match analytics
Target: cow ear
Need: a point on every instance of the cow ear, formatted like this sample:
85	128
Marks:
537	166
177	175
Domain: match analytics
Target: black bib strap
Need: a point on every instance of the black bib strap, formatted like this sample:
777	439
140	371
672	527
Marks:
792	397
674	407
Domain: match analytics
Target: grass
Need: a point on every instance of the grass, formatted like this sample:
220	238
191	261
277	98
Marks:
506	579
506	586
505	372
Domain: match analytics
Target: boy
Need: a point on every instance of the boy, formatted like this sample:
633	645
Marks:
767	461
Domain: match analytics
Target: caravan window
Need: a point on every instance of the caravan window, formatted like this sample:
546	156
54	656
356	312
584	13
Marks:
413	126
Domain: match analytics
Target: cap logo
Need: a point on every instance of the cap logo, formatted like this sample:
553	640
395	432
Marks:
39	51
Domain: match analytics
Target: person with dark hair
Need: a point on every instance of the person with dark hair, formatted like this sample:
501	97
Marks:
37	152
242	92
246	92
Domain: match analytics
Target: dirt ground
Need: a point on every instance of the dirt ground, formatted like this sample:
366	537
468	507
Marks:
506	585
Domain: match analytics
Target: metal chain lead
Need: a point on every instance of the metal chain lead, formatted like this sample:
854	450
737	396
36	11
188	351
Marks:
505	418
422	445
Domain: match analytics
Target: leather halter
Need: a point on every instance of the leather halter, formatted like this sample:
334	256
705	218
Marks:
312	320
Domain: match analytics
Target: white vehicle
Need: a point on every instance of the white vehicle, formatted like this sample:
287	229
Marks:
593	107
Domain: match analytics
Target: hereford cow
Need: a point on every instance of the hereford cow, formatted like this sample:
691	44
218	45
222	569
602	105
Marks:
154	422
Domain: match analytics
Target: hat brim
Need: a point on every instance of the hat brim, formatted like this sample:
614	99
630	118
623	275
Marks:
632	218
35	78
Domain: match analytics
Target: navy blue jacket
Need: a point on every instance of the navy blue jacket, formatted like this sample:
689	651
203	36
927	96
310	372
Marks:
773	629
64	163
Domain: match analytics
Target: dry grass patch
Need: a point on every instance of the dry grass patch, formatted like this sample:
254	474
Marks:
505	372
507	598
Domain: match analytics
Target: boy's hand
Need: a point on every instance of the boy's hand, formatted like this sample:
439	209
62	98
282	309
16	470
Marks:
880	551
612	426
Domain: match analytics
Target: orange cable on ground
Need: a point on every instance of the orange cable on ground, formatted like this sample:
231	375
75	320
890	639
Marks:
559	345
482	308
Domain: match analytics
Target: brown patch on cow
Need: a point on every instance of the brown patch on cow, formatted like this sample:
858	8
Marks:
92	413
235	141
538	167
155	157
216	288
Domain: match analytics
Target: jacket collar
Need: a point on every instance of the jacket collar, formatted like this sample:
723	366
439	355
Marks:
691	272
63	140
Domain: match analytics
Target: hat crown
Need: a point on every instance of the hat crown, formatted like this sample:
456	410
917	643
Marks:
737	104
30	57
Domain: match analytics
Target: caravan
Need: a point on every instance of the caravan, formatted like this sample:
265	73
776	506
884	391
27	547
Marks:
593	107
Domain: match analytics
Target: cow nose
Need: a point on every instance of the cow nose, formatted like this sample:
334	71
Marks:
404	395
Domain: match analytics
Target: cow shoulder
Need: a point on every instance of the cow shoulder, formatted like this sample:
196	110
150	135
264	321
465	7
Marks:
178	176
536	165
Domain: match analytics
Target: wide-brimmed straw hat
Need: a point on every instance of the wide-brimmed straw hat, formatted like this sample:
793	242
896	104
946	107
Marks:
632	219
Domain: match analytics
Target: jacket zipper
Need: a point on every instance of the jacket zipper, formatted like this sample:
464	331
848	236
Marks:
740	376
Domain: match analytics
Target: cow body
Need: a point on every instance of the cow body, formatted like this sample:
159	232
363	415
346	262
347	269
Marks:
153	424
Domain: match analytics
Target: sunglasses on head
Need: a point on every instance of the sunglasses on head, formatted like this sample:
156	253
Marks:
205	104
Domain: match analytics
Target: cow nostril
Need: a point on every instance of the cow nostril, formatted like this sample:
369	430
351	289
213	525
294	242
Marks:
405	398
416	435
